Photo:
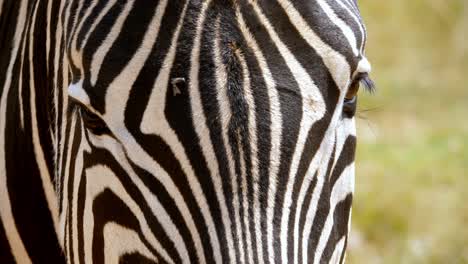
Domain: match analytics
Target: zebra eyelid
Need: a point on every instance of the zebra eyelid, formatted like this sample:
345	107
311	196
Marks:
79	104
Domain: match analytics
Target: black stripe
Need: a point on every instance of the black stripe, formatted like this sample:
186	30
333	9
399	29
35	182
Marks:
5	250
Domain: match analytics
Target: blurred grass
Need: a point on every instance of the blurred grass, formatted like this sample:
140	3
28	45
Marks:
411	201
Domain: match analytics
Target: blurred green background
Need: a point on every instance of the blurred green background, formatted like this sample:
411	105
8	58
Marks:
411	200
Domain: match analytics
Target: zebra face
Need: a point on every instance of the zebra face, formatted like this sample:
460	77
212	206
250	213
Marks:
210	131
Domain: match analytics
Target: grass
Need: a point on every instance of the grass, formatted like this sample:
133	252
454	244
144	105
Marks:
411	201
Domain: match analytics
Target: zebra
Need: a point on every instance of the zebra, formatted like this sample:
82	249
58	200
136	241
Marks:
195	131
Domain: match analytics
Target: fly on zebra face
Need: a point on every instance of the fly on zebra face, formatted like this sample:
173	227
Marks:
212	131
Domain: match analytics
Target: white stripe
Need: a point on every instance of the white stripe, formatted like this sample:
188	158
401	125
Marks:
119	240
225	112
275	153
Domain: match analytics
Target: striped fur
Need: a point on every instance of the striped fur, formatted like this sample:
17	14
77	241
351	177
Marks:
171	131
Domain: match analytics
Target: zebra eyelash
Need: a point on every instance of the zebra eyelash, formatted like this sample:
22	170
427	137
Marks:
367	82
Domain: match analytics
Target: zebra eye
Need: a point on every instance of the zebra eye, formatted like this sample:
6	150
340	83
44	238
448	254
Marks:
350	101
352	90
350	106
93	122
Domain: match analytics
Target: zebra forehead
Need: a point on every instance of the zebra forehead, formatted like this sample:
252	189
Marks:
107	42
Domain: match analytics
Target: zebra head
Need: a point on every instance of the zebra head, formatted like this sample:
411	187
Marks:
217	131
